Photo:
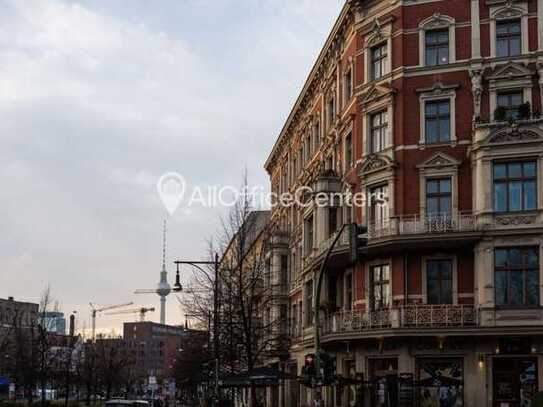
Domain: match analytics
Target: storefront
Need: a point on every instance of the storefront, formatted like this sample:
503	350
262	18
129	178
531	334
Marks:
515	380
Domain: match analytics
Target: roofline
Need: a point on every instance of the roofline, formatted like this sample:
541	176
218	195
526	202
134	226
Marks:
309	79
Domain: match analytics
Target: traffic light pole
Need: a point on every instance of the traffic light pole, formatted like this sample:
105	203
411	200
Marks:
318	276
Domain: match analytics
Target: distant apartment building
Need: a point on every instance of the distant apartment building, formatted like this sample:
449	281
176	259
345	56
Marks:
155	346
435	105
25	313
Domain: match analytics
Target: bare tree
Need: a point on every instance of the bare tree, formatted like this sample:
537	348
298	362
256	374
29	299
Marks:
249	321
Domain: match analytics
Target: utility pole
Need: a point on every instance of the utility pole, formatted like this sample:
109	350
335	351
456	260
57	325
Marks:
178	287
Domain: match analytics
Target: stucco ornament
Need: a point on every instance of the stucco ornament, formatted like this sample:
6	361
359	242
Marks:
540	73
477	90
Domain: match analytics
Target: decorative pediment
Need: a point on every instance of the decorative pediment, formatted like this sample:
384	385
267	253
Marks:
514	134
510	70
435	21
509	9
438	88
439	160
375	162
375	93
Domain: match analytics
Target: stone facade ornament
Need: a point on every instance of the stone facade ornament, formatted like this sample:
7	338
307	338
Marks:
540	73
476	76
513	135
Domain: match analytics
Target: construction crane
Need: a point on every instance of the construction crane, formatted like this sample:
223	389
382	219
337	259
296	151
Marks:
96	310
142	311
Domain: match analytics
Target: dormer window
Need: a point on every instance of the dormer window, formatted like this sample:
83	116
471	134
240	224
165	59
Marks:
437	47
378	61
508	38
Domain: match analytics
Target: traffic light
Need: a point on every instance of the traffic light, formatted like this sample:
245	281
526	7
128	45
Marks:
308	371
327	368
357	240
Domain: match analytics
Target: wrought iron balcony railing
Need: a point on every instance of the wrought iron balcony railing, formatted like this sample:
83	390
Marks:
409	316
414	224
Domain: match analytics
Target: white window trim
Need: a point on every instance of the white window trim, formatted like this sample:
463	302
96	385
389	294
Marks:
345	99
426	175
435	96
348	274
424	288
389	184
437	22
378	38
368	283
367	126
509	12
348	166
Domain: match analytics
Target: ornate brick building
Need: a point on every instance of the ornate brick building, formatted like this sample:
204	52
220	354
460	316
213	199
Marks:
435	104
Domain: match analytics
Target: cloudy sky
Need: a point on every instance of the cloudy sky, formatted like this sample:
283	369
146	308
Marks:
99	98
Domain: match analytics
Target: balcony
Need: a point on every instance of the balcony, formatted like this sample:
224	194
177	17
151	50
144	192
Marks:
415	225
410	316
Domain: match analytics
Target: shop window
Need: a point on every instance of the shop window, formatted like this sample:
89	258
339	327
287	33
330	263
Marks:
441	382
515	381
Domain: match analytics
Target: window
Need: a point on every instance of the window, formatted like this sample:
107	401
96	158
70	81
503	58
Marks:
517	276
437	47
379	209
330	111
378	61
316	135
439	282
309	303
515	186
510	101
508	38
348	291
379	131
308	235
285	278
438	197
332	220
348	151
347	85
380	283
437	117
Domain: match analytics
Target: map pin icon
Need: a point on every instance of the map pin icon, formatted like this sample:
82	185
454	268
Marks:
171	188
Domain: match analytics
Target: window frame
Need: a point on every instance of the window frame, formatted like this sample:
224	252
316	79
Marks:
511	110
427	282
522	180
438	117
524	269
438	46
381	60
508	36
381	128
439	195
439	257
434	23
381	282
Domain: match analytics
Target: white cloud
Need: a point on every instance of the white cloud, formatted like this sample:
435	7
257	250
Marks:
97	102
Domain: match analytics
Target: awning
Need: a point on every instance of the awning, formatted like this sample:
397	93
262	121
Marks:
259	377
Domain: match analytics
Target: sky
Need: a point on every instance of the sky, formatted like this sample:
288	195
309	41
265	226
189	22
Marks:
99	98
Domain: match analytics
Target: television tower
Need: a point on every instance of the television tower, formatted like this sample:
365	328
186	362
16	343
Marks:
163	288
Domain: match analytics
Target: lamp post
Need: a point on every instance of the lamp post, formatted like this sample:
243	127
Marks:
178	287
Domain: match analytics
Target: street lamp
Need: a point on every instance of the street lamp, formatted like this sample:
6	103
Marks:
178	287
